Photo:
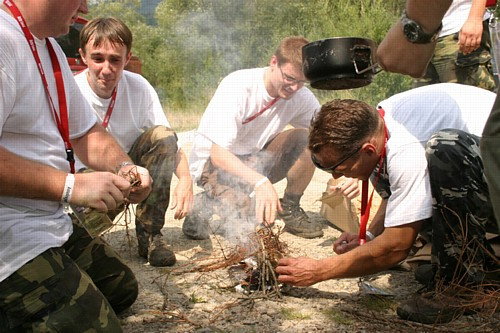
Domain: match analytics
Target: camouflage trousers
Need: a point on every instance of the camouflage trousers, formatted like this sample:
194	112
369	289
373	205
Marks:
273	161
462	211
450	65
490	150
155	150
78	287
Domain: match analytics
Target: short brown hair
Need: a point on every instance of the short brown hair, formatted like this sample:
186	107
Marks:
106	29
290	50
344	124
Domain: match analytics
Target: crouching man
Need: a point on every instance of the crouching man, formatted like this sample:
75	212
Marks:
421	150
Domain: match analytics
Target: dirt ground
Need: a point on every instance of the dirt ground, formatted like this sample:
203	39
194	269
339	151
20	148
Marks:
208	302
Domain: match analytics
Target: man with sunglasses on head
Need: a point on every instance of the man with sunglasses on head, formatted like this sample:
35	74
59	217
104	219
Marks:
420	149
241	148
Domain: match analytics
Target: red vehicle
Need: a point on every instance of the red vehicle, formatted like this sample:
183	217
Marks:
70	44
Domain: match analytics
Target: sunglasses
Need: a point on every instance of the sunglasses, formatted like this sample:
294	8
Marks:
335	166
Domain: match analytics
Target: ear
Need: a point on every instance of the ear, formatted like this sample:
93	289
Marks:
369	148
82	55
129	55
273	62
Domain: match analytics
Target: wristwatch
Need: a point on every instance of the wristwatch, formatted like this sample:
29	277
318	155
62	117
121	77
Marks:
414	33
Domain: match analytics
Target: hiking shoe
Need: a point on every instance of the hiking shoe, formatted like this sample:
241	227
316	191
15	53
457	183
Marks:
159	255
424	274
195	224
297	222
429	309
195	227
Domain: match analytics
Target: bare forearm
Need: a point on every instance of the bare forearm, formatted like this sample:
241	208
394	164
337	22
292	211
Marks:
398	55
99	150
477	10
182	166
23	178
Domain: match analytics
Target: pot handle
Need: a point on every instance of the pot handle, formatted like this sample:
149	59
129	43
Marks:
374	67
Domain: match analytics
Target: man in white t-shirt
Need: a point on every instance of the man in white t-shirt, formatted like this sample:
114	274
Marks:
52	273
129	108
240	149
425	142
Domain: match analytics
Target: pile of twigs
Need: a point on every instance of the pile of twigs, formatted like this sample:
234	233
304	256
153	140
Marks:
258	259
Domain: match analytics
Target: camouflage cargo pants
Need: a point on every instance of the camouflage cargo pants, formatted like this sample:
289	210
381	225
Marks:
450	65
462	210
75	288
155	150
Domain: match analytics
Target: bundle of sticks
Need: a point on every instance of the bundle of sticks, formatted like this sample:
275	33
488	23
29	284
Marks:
257	259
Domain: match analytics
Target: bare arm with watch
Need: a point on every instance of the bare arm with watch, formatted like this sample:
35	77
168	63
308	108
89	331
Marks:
409	44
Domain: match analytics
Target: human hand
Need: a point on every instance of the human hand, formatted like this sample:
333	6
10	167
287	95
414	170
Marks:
140	180
102	191
300	271
470	36
345	243
182	198
347	187
266	203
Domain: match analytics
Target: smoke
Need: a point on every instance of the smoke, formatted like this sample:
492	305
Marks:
232	213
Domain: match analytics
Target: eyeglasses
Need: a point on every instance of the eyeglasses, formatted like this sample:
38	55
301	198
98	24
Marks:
335	166
290	79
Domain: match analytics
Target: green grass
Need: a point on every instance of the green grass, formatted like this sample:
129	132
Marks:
377	304
338	316
196	299
292	314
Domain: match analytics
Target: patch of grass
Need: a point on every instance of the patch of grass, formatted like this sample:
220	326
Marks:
338	316
183	120
196	299
377	304
292	314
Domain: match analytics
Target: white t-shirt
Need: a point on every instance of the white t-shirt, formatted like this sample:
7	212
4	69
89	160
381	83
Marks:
28	129
137	108
239	96
411	118
456	15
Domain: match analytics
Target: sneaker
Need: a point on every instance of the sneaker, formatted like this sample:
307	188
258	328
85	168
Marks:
159	255
297	222
430	309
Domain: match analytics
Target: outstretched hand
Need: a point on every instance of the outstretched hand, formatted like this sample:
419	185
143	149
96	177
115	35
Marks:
302	271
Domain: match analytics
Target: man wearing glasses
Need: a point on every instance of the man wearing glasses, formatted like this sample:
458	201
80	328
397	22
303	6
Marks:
420	149
240	149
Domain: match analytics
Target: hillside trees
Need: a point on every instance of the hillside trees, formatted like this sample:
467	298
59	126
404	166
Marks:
197	42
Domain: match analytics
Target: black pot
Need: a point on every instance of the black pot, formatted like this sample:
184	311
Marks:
340	62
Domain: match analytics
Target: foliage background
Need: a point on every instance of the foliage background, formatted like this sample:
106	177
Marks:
192	44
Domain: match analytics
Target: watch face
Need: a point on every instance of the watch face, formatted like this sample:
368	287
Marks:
411	32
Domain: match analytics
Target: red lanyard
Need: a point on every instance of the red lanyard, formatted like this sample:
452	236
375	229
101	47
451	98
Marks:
249	119
365	202
62	122
110	109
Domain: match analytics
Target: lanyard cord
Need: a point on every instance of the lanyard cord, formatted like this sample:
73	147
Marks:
365	202
110	109
249	119
62	121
